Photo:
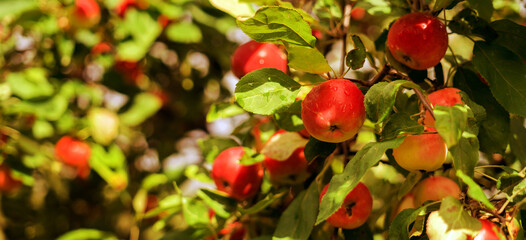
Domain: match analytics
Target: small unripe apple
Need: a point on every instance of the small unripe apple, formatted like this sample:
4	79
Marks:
418	40
86	13
255	55
489	231
357	13
238	181
103	125
444	97
421	152
435	188
290	170
7	183
74	153
355	209
333	111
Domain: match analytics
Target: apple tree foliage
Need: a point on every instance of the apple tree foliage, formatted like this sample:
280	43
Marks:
137	83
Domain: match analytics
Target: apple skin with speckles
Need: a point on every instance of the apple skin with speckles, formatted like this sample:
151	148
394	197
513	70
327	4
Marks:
418	40
333	111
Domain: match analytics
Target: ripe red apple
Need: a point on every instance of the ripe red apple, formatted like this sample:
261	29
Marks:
74	153
291	170
123	5
444	97
355	209
235	229
333	111
131	71
86	13
489	231
101	48
255	55
7	183
421	152
238	181
435	188
418	40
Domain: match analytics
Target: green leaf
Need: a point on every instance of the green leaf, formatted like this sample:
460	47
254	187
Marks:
266	91
51	109
399	229
195	213
298	219
506	74
483	7
363	233
144	106
511	35
278	25
251	157
457	219
466	22
184	32
342	184
474	190
400	123
381	97
513	185
518	138
218	208
450	122
236	8
153	180
466	153
87	234
143	30
223	110
264	203
318	149
307	59
281	147
30	84
290	118
495	129
356	57
16	7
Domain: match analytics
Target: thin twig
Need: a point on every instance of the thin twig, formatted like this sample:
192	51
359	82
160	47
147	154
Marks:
424	101
378	77
345	29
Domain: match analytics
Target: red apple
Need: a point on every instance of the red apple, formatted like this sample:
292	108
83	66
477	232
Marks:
333	111
261	137
74	153
489	231
421	152
236	230
418	40
435	188
131	71
290	170
255	55
123	5
101	48
86	13
444	97
238	181
355	209
7	183
357	13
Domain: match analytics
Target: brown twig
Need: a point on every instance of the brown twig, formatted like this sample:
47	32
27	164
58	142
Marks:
424	101
345	29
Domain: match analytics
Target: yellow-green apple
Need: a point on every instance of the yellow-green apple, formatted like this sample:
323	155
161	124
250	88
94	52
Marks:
426	151
235	179
333	111
355	209
418	40
104	125
408	201
435	188
86	13
7	183
489	231
291	170
75	153
443	97
255	55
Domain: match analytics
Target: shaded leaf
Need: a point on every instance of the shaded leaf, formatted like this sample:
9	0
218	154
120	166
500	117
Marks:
290	118
318	149
380	98
511	35
474	190
356	57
